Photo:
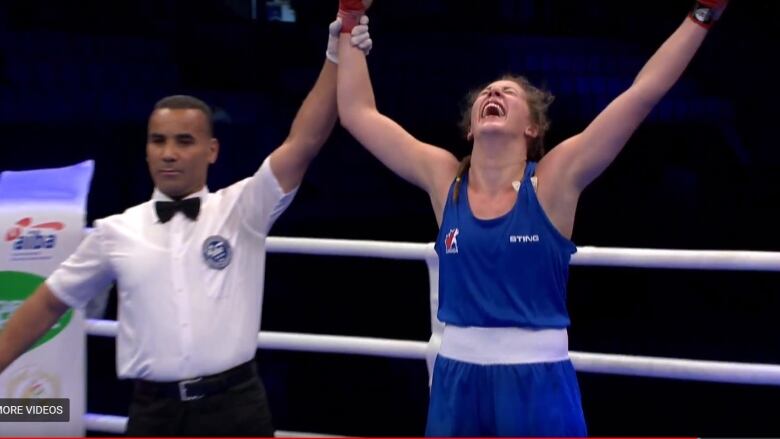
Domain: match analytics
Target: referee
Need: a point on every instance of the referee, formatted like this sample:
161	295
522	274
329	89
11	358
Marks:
189	265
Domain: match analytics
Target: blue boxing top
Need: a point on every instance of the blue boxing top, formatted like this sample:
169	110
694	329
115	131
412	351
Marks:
506	271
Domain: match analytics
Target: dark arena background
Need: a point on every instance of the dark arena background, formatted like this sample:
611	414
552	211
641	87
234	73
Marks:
78	80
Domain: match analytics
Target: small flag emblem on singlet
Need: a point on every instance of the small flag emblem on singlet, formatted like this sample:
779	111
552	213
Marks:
451	241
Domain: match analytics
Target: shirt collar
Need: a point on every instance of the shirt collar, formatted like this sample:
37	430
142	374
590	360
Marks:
157	195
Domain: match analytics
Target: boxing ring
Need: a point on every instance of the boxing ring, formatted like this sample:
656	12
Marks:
655	367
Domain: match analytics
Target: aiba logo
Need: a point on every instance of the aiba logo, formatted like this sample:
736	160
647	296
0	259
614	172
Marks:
451	241
26	236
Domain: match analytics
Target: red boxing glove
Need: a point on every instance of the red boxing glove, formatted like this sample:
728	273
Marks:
706	12
350	12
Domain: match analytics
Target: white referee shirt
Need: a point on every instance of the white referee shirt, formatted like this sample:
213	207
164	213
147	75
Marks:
183	313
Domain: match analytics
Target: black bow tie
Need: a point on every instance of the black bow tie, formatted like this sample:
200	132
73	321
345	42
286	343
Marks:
166	209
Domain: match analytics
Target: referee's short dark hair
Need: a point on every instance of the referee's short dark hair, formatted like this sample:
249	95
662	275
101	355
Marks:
184	102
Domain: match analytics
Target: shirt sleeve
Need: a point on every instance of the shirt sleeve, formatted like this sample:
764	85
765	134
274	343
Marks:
85	274
263	200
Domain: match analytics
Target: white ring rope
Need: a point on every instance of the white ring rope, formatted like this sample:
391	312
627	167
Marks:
105	423
718	371
675	368
333	344
700	370
348	247
587	255
678	259
288	341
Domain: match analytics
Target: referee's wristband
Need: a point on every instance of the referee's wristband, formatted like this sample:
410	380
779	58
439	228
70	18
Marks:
702	15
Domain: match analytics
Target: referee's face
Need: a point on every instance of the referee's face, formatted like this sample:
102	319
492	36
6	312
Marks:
179	150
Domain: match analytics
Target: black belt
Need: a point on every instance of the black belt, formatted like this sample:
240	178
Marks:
200	387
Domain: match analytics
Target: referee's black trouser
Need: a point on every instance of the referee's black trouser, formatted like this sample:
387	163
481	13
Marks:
241	410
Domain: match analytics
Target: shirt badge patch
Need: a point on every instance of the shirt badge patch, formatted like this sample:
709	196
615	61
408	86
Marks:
451	241
217	252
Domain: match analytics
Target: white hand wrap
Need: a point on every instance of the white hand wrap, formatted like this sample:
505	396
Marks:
360	36
332	52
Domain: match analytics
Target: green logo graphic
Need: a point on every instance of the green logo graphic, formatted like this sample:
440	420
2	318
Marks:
15	288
